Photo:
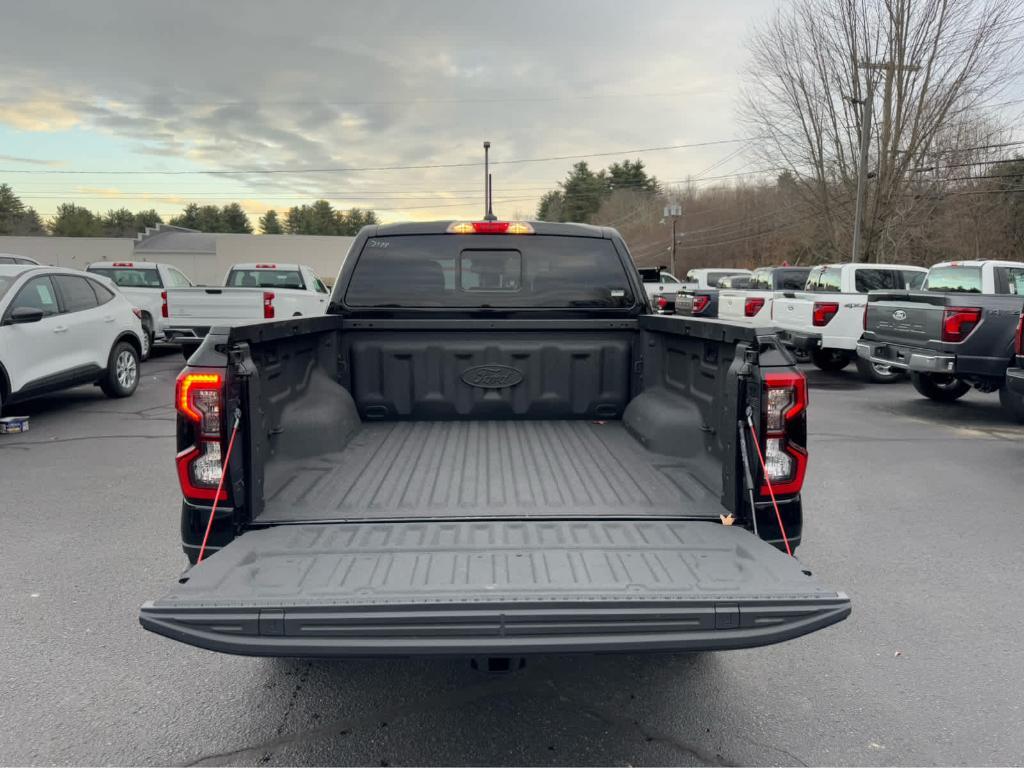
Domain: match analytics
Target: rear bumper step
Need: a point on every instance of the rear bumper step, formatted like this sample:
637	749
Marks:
492	630
493	588
906	358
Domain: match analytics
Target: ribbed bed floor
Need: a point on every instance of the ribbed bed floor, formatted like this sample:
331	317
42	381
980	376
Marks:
472	469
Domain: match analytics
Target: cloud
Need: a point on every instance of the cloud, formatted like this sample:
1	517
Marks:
31	161
226	86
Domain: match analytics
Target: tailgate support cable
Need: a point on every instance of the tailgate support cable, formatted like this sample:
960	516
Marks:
768	481
748	478
220	485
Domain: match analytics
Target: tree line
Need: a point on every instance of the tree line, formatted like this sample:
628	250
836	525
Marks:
71	220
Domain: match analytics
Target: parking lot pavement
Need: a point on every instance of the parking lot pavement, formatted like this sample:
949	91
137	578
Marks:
912	508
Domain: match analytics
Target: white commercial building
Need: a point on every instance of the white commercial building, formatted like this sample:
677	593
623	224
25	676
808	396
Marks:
205	257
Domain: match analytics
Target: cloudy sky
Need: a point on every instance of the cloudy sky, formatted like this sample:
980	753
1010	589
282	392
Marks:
280	91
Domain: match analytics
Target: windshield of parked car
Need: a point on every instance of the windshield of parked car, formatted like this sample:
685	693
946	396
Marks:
954	279
489	271
126	277
265	278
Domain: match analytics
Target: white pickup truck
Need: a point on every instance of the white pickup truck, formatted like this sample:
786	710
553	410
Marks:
251	292
826	319
144	283
753	305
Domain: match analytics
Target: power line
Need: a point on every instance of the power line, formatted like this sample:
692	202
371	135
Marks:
354	169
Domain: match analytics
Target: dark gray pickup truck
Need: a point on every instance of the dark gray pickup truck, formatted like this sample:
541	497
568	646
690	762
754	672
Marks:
501	453
957	332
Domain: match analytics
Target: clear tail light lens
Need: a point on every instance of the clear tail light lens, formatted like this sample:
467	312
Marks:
785	420
958	322
823	312
752	306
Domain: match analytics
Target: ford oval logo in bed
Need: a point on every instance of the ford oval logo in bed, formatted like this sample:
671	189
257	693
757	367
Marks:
492	376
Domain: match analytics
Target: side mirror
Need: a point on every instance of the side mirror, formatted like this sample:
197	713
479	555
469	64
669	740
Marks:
23	315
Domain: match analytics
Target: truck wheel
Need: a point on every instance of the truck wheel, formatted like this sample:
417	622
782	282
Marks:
877	373
1013	404
830	360
122	375
940	387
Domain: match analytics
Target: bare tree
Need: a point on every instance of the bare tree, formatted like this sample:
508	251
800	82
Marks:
927	65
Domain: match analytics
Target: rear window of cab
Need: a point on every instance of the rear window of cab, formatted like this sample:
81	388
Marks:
489	271
954	279
129	277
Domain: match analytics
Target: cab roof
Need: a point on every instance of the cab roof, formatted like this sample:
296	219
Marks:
126	264
978	263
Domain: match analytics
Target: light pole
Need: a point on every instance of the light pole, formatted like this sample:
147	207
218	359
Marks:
673	211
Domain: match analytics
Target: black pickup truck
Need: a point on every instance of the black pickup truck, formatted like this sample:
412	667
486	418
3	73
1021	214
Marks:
956	333
502	453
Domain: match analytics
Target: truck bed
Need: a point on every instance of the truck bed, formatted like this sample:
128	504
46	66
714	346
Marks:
488	469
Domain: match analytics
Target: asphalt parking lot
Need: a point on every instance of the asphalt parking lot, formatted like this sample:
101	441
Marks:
913	508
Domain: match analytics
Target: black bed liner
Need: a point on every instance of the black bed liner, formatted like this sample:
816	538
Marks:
493	587
472	469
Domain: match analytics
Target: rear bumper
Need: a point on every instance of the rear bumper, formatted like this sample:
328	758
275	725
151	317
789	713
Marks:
624	627
906	358
1015	380
800	340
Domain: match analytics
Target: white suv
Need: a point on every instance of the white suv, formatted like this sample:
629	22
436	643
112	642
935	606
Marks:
60	328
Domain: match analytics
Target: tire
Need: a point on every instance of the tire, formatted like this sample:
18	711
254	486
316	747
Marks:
942	388
1013	404
876	373
150	336
830	360
122	375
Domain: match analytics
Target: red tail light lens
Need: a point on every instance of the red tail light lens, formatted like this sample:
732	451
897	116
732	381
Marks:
662	302
958	322
490	228
752	306
1018	345
137	312
823	312
199	400
163	306
864	322
700	303
785	420
268	305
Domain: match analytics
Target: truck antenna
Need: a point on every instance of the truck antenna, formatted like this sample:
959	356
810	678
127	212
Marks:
488	213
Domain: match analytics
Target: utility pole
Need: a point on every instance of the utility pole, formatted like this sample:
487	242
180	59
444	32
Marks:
862	170
673	211
488	211
867	105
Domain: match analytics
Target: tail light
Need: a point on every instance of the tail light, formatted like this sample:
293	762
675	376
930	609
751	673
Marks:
752	306
163	305
662	302
700	303
958	322
864	322
137	312
823	312
785	432
199	400
1018	344
268	305
490	228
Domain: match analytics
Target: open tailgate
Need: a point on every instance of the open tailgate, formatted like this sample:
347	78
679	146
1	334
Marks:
493	587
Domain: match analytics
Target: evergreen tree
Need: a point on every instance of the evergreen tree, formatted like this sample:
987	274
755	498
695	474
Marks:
75	221
233	219
270	224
